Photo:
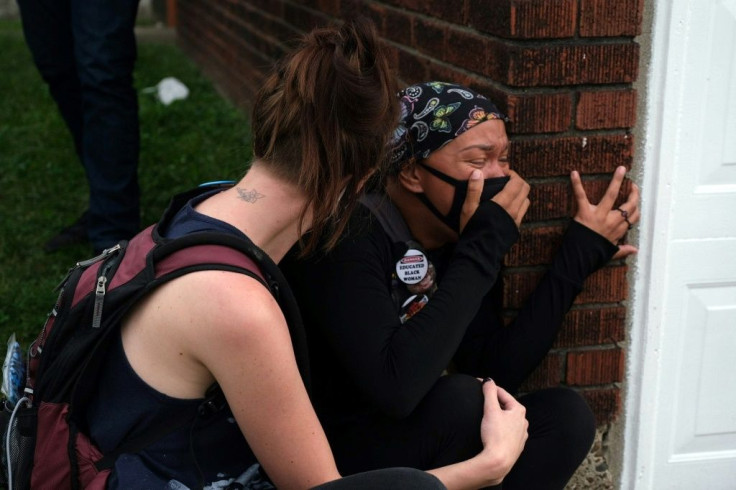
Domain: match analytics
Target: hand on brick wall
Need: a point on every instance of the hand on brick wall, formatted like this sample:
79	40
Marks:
603	218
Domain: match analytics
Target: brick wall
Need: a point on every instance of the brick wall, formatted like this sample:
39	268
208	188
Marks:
562	69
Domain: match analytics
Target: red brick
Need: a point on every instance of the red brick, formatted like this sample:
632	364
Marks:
572	64
377	13
554	200
536	246
331	7
398	26
550	157
493	16
415	5
542	113
303	19
453	11
592	326
606	18
466	50
442	71
606	109
605	403
551	200
546	375
595	367
392	53
273	7
531	19
267	25
524	19
430	37
412	66
352	8
607	285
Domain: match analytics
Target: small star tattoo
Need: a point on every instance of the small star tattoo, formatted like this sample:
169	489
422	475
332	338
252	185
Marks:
249	196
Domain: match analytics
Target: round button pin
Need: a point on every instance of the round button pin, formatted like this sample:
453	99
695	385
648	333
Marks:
412	267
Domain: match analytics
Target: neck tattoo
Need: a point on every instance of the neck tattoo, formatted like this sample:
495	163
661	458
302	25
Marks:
249	196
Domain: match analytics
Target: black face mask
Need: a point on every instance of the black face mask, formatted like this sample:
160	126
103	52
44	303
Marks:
491	187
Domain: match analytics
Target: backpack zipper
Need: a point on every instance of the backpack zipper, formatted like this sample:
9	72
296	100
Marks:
86	263
36	347
100	289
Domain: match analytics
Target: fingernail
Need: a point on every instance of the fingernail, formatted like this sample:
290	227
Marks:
475	175
486	380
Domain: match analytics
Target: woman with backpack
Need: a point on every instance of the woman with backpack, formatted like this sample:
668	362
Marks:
321	124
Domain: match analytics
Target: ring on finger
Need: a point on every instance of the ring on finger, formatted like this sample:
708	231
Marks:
625	215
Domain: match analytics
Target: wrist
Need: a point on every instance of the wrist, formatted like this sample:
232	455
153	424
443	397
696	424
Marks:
492	466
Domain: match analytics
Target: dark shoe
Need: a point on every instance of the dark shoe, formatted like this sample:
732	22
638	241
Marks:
73	234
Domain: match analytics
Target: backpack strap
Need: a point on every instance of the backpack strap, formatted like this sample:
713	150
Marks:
388	215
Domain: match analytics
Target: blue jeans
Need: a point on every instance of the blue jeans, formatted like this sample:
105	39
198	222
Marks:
85	50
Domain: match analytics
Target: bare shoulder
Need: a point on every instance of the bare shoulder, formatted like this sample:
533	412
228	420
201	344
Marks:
177	336
227	302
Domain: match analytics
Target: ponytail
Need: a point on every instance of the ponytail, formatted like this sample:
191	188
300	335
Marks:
323	118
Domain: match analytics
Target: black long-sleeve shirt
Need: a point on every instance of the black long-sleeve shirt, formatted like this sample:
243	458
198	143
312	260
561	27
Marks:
364	359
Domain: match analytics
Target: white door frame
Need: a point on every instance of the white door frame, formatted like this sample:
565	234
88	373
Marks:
643	366
665	99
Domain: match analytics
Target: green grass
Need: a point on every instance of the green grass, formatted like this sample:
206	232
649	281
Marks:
42	185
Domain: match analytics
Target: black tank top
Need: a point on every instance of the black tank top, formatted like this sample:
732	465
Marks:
207	452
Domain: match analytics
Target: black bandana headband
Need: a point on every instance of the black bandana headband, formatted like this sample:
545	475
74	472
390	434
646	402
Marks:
432	115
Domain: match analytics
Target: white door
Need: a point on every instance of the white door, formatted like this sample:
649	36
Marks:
681	406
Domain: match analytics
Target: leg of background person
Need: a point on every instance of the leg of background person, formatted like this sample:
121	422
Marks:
443	429
388	479
48	32
105	52
561	431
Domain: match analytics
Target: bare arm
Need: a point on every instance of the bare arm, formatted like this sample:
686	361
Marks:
243	341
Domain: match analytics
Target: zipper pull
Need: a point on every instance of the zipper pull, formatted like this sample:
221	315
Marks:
99	298
85	263
104	254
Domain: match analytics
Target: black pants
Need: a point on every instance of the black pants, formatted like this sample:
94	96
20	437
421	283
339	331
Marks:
445	429
388	479
85	50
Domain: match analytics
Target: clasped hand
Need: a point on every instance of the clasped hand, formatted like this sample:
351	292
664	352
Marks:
503	430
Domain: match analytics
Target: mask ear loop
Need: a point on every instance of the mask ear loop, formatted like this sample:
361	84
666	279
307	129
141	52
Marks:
440	175
425	200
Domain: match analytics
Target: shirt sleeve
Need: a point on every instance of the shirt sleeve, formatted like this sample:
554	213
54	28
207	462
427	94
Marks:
510	353
395	365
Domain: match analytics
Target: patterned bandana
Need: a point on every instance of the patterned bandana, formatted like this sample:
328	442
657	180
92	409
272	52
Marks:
432	115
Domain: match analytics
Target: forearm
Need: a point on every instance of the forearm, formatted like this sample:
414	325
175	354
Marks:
477	472
509	354
583	251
